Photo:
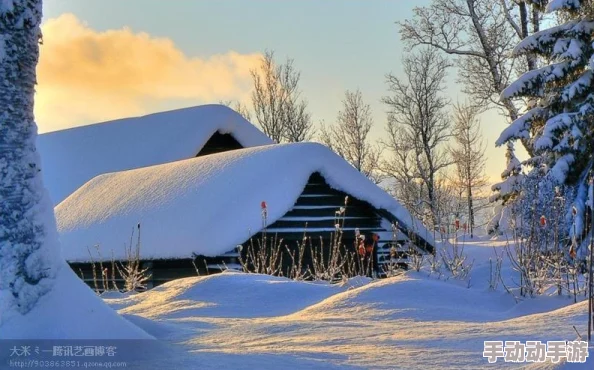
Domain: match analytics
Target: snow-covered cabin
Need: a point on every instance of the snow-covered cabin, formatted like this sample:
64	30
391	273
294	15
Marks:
74	156
208	205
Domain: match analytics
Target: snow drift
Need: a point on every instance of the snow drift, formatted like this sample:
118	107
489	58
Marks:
70	311
407	322
230	294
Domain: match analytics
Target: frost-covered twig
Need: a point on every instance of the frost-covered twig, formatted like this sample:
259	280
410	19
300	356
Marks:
135	277
455	262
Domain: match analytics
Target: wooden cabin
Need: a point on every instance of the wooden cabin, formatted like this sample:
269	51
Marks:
195	213
313	215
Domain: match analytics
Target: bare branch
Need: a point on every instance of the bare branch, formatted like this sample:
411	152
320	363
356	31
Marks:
418	127
349	136
277	103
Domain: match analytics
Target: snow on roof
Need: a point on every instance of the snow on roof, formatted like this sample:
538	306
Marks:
206	205
74	156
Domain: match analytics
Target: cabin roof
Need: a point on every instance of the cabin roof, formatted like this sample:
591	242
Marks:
206	205
74	156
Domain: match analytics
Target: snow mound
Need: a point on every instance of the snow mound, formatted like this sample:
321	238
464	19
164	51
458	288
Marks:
413	296
70	311
416	299
406	322
230	294
74	156
206	205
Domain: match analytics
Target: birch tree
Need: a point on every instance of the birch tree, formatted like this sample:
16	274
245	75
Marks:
277	104
468	155
400	167
349	137
29	251
417	112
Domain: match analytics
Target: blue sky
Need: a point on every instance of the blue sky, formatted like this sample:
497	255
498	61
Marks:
337	45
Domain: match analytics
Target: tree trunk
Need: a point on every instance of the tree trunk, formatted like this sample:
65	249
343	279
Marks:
470	212
432	203
535	19
524	20
28	239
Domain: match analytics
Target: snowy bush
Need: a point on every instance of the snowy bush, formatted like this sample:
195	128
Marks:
455	260
130	271
267	256
134	275
543	253
435	265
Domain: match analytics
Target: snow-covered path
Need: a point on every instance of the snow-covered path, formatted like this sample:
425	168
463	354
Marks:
412	321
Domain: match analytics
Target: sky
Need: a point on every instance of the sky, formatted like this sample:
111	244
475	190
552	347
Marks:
108	59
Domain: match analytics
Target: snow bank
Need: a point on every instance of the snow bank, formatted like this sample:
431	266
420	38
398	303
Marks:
230	294
407	322
74	156
206	205
415	296
70	311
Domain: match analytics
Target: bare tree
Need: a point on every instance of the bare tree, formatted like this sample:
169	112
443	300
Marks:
417	113
297	121
400	169
277	103
349	137
469	156
242	109
449	203
480	35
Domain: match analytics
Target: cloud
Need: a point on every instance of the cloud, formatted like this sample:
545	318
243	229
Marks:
88	76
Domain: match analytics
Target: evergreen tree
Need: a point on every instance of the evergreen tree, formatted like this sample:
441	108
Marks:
28	239
558	124
507	190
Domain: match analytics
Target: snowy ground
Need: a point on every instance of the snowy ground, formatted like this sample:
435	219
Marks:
243	321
